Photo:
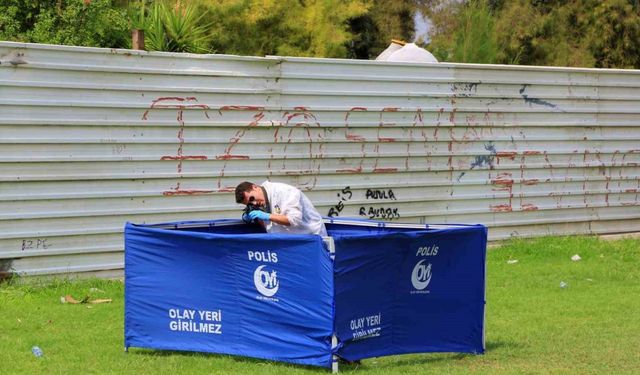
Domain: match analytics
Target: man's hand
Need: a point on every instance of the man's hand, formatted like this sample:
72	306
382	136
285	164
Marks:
260	215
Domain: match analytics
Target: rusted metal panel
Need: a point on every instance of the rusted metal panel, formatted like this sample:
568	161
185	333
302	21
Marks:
92	138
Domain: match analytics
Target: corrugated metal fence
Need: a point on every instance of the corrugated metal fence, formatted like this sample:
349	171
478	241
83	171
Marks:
92	138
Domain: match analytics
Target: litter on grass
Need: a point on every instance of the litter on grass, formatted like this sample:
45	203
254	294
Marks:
69	299
563	285
576	258
37	351
512	261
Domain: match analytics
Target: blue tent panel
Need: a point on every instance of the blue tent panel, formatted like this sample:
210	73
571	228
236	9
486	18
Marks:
249	294
226	287
399	291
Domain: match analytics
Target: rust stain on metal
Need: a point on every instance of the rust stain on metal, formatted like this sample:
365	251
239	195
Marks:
533	181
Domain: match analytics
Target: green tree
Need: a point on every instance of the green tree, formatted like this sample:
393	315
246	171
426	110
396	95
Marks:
613	37
385	20
282	27
465	32
531	33
587	33
172	26
72	22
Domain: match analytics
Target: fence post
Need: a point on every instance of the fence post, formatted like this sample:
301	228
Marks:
137	39
328	241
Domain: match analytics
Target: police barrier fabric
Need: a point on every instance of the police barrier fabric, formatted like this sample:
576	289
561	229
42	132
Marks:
223	287
409	291
249	294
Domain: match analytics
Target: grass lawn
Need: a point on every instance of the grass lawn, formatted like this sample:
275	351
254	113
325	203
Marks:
592	326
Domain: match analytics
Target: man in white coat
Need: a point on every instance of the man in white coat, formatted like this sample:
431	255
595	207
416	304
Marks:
283	208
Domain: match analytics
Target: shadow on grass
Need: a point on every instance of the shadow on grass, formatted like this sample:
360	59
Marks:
235	358
494	345
391	361
429	358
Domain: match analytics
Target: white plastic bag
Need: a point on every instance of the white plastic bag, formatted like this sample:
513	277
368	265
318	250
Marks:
394	46
410	52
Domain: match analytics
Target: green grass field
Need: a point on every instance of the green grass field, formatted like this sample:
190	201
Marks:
592	326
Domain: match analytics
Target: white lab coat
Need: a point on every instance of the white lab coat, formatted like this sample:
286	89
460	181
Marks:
290	201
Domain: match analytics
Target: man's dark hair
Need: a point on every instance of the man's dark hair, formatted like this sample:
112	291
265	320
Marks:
241	189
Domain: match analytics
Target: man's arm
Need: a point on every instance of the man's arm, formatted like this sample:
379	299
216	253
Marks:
279	219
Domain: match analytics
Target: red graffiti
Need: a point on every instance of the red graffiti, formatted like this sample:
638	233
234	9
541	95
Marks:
347	134
501	208
178	191
385	170
180	157
185	157
350	170
353	137
230	157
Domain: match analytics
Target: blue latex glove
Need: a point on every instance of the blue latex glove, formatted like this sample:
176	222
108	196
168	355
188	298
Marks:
260	215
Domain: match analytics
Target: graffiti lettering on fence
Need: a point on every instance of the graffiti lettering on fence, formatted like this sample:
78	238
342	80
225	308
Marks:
344	195
118	149
441	139
385	213
36	244
380	194
177	104
531	100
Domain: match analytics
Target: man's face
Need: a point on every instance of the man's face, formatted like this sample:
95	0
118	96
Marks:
254	197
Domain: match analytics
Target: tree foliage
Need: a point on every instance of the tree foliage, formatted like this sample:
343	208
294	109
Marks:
282	27
173	26
385	20
72	22
587	33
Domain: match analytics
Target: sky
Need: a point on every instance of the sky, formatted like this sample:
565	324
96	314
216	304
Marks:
422	25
